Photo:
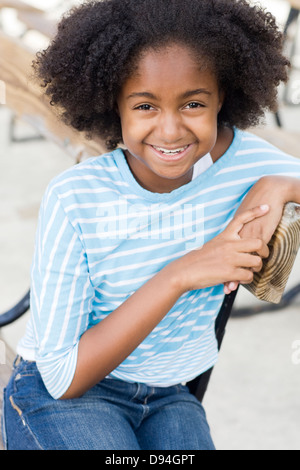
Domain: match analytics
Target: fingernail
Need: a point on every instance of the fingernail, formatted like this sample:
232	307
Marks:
264	207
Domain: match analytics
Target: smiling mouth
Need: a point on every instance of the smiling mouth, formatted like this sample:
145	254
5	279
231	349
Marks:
171	155
170	152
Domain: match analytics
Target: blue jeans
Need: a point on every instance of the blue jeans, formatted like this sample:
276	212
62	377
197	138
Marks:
113	415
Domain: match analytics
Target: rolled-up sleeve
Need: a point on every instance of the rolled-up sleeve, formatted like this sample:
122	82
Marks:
61	295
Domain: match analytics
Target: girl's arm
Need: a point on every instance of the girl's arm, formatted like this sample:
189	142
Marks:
103	347
275	191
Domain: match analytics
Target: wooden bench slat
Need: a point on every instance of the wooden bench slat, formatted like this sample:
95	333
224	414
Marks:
289	142
19	5
28	102
295	4
38	22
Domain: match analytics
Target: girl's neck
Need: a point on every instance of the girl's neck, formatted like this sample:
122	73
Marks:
224	140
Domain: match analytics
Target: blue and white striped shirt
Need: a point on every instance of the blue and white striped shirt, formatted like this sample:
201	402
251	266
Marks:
101	236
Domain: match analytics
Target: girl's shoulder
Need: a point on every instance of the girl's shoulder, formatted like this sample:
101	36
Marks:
250	157
251	145
97	168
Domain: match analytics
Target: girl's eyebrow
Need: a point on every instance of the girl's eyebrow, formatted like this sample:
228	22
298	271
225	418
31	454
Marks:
187	94
143	94
199	91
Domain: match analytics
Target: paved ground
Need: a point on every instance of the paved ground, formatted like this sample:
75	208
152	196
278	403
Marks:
253	401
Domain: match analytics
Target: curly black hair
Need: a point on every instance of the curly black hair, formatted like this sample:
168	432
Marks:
99	43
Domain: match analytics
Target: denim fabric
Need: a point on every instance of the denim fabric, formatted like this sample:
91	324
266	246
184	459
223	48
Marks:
113	415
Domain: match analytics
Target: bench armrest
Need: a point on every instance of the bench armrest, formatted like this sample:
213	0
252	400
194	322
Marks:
270	283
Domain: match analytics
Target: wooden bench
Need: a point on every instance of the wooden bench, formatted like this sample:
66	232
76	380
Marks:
25	98
35	21
288	142
33	18
294	4
19	6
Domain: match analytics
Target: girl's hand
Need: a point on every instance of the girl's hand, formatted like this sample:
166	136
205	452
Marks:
271	190
225	257
275	191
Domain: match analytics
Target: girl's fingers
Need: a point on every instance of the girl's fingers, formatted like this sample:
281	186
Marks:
264	251
230	287
250	262
227	289
254	246
244	218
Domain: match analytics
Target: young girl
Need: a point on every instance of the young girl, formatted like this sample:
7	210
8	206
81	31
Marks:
134	247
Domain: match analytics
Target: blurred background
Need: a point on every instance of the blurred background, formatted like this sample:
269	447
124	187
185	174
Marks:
253	400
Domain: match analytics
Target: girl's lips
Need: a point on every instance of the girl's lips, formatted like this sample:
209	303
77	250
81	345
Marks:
171	157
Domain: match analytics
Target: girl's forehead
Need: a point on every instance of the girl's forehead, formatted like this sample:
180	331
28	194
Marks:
168	57
175	66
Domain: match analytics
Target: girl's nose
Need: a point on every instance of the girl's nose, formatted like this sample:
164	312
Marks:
170	129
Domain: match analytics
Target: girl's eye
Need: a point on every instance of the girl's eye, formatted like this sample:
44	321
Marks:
194	105
144	107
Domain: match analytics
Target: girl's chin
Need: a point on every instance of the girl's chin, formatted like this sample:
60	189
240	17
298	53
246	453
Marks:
173	178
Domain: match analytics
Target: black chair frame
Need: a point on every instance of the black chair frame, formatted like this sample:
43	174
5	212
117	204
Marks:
199	385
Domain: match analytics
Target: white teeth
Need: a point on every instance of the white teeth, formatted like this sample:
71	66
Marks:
170	152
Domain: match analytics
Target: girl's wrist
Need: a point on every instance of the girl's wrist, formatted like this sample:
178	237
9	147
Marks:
180	272
174	272
292	190
287	189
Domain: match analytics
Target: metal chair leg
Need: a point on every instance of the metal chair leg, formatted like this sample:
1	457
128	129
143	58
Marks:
287	300
16	312
199	385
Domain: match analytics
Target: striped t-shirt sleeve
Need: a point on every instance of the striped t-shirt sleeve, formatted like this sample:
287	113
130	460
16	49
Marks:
61	295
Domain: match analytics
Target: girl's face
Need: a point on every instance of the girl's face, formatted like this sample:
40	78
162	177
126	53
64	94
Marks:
168	111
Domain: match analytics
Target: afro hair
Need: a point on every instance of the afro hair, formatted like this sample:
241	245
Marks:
98	45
